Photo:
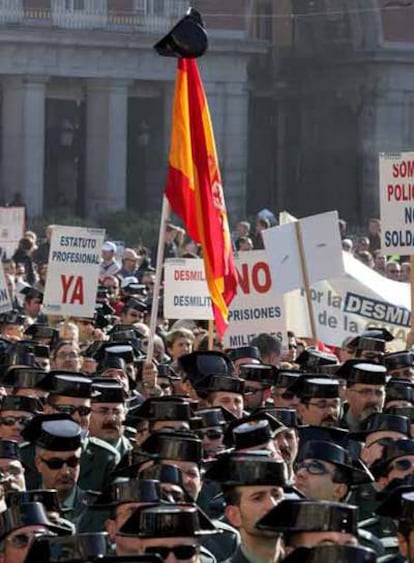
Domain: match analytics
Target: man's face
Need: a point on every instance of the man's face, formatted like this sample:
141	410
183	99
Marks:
118	375
78	408
32	306
365	399
373	448
320	412
67	358
12	423
191	475
379	261
106	421
180	347
107	255
13	472
288	444
18	542
374	227
254	503
242	361
400	467
314	478
312	539
233	402
59	470
132	316
150	545
212	439
284	399
253	395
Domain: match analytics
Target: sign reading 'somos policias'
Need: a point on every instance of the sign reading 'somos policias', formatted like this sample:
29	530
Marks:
73	270
396	176
256	308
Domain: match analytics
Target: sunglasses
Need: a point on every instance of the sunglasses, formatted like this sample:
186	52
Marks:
70	410
180	551
57	463
12	420
287	395
20	540
402	464
314	467
211	434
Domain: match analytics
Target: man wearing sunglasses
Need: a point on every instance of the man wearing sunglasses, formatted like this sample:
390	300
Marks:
58	455
71	394
282	396
258	380
319	404
15	413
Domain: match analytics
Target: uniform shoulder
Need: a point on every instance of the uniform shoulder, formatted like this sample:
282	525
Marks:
96	444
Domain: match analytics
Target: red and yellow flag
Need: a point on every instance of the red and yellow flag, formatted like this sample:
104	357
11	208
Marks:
194	188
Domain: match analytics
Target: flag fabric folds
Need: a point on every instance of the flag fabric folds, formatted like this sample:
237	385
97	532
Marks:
194	189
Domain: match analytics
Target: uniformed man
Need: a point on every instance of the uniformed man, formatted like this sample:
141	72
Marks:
258	381
243	355
319	402
281	394
15	414
400	365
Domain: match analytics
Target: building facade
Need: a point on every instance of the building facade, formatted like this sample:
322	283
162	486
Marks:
86	101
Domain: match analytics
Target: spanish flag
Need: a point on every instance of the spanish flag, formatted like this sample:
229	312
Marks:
194	189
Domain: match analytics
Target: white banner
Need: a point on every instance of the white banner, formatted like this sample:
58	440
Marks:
255	309
5	302
346	306
396	181
11	229
72	274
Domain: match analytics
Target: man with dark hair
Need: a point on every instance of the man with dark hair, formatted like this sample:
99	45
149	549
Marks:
270	348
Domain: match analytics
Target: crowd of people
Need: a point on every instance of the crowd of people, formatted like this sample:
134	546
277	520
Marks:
269	452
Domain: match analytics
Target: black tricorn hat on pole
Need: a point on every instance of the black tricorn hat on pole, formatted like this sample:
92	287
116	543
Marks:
187	39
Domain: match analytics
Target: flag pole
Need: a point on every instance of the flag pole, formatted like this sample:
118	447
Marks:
412	291
305	277
210	334
165	214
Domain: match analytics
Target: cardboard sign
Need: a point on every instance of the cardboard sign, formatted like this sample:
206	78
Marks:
255	309
11	229
396	180
5	302
73	270
322	251
346	306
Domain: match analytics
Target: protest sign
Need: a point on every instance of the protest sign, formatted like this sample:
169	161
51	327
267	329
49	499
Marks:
255	309
5	302
322	251
73	270
11	229
396	179
346	306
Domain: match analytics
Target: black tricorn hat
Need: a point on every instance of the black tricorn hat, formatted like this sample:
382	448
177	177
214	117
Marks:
129	490
310	516
402	411
13	317
111	362
399	360
288	417
211	416
378	332
24	377
248	469
198	365
391	497
55	432
407	507
362	372
307	387
262	373
187	39
379	421
69	384
251	434
312	359
368	344
168	520
399	390
286	377
184	446
225	383
164	473
27	514
164	408
356	471
38	331
392	451
251	352
332	554
328	433
48	497
21	403
108	392
9	449
73	548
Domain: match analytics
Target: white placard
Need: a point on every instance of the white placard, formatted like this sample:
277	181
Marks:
11	229
255	309
346	306
5	302
396	182
73	270
322	251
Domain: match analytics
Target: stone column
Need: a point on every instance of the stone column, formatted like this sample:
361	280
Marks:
23	116
106	145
